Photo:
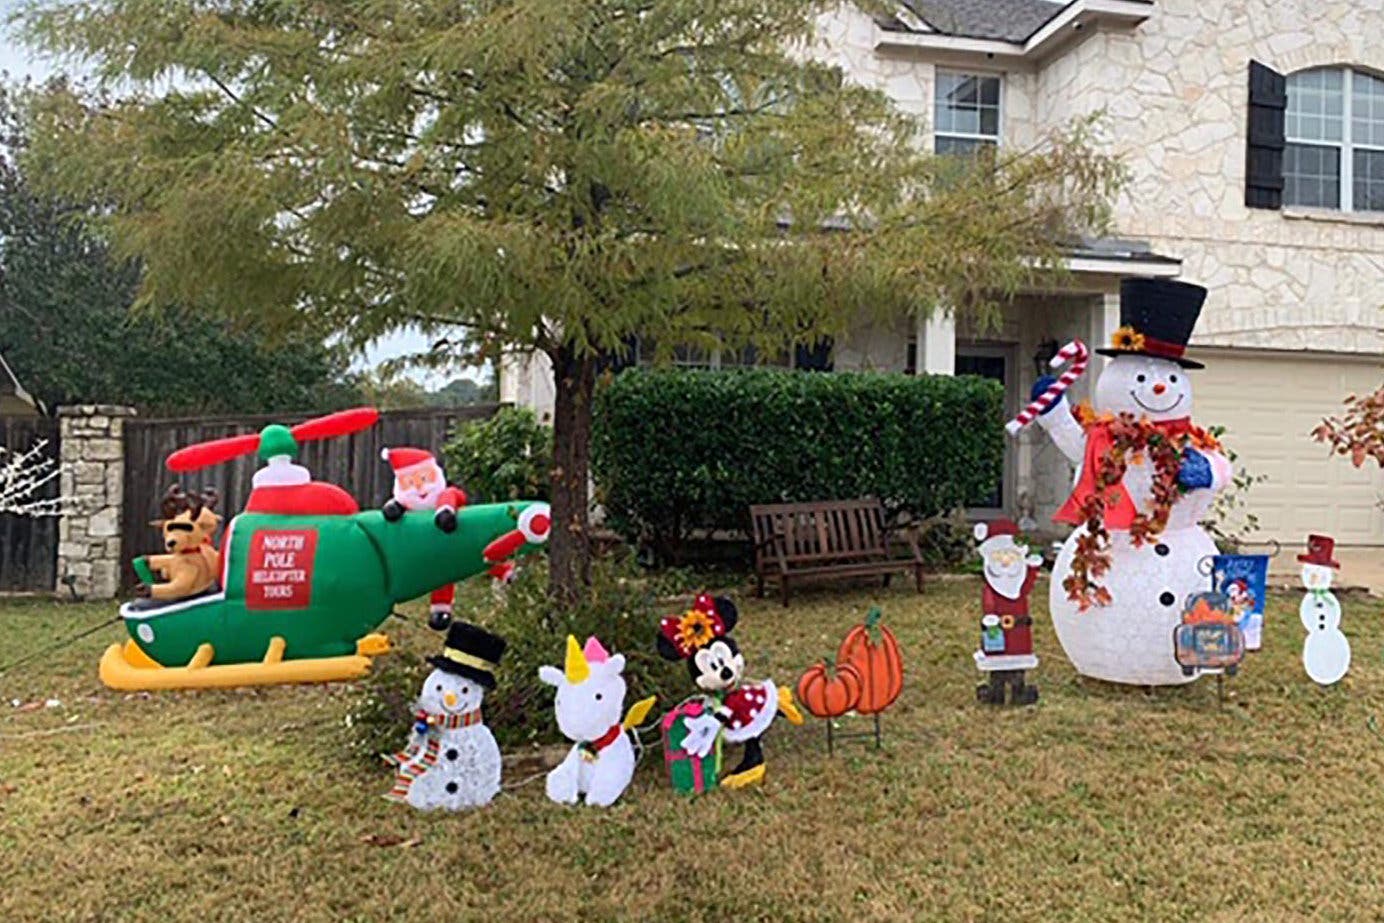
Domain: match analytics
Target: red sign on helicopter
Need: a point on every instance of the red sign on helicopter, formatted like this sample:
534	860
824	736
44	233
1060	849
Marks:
280	569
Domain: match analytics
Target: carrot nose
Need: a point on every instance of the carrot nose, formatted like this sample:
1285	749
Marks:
1159	388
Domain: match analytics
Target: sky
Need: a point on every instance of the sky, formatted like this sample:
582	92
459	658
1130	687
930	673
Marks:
16	61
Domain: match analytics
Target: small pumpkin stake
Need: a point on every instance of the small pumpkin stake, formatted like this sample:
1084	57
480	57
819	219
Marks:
829	692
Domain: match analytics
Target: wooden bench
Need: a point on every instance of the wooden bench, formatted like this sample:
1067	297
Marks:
833	538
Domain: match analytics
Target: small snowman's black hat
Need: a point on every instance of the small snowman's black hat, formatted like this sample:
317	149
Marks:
1156	319
472	652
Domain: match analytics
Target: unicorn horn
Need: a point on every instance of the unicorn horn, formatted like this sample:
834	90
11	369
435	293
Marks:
576	668
595	651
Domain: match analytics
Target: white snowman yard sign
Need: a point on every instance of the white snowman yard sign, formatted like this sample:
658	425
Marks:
1326	650
1145	479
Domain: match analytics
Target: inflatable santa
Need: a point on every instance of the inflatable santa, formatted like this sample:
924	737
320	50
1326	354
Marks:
1006	628
419	484
1145	479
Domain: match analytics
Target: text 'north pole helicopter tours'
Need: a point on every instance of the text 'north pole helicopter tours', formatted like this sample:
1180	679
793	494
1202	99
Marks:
305	576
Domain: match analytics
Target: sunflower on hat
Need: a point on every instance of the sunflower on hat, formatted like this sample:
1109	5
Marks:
695	628
1127	339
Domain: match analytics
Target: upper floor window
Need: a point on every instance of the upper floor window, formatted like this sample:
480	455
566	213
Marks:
1334	133
966	112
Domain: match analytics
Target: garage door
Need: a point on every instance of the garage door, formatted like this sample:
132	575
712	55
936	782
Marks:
1269	404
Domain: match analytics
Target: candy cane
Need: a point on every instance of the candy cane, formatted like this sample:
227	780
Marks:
1079	355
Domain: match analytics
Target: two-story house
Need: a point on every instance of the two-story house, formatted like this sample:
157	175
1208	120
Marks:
1254	133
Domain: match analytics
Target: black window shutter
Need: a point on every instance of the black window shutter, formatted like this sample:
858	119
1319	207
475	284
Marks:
816	358
1268	101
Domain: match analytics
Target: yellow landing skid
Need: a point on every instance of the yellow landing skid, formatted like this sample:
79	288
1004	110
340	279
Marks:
128	668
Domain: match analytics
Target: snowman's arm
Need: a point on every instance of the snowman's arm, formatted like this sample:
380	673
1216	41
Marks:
1222	471
1067	434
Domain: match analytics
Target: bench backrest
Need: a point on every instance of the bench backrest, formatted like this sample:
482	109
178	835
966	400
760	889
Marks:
826	530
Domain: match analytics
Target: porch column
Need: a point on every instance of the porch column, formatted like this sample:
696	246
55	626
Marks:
937	343
1103	321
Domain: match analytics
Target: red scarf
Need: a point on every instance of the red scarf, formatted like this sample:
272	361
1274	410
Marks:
1119	508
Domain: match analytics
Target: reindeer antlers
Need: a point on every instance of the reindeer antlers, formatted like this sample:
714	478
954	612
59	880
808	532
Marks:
176	501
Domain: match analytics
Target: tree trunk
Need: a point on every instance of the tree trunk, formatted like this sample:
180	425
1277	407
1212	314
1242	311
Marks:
569	554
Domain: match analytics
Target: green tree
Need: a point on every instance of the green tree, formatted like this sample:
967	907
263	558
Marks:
67	329
459	392
555	177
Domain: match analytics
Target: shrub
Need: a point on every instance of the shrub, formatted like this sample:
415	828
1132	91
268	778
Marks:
675	451
621	609
504	457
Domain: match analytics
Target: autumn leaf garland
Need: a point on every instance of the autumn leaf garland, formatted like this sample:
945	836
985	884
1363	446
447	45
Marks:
1134	440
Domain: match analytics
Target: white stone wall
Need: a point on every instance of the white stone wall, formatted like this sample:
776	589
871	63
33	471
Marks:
1174	90
526	380
93	455
1175	93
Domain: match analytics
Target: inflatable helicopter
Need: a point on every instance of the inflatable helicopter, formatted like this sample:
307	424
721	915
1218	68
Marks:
306	576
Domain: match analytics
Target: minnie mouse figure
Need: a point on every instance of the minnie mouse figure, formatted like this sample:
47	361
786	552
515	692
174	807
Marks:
741	711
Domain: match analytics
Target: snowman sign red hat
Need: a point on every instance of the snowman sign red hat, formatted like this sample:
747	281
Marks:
1321	550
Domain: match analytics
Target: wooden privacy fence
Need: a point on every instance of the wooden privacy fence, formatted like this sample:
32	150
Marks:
353	462
28	546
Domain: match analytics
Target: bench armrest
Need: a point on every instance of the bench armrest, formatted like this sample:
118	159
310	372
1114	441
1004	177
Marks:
909	532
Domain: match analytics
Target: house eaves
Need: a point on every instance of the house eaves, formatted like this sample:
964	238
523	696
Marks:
997	36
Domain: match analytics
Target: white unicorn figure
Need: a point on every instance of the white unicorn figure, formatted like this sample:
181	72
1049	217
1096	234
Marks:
590	696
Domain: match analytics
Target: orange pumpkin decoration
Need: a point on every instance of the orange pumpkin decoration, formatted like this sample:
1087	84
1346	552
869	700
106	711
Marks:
874	652
829	694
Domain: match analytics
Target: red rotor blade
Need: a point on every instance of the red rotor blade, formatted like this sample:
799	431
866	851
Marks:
206	454
341	423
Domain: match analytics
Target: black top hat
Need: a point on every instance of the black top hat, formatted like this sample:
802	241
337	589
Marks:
472	652
1156	319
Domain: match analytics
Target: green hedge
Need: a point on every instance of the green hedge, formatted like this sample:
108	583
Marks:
675	451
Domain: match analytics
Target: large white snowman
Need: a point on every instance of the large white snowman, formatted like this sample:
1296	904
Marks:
1130	639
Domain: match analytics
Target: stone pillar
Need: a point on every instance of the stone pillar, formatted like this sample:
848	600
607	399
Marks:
92	443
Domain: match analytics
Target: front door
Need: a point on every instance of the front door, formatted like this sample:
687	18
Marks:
994	363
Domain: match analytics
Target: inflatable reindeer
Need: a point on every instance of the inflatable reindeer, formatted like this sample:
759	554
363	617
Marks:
190	567
590	697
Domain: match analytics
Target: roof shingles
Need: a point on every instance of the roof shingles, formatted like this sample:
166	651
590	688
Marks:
1006	20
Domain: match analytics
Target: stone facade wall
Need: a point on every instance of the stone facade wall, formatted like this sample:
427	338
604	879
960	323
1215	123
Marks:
1174	90
93	453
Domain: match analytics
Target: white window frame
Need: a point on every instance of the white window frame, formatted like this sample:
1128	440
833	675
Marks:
996	138
1346	146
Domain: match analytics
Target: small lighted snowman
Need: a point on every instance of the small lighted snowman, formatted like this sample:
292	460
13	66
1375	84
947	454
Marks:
452	761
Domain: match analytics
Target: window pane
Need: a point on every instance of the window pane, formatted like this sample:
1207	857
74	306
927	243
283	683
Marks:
949	145
967	104
1312	176
1368	187
1316	105
1367	109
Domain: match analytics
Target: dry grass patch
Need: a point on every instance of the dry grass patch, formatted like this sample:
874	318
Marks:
1099	803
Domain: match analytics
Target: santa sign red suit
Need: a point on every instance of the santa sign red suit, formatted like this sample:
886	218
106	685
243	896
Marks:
1006	628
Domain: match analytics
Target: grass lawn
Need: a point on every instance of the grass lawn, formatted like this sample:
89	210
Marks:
1099	803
